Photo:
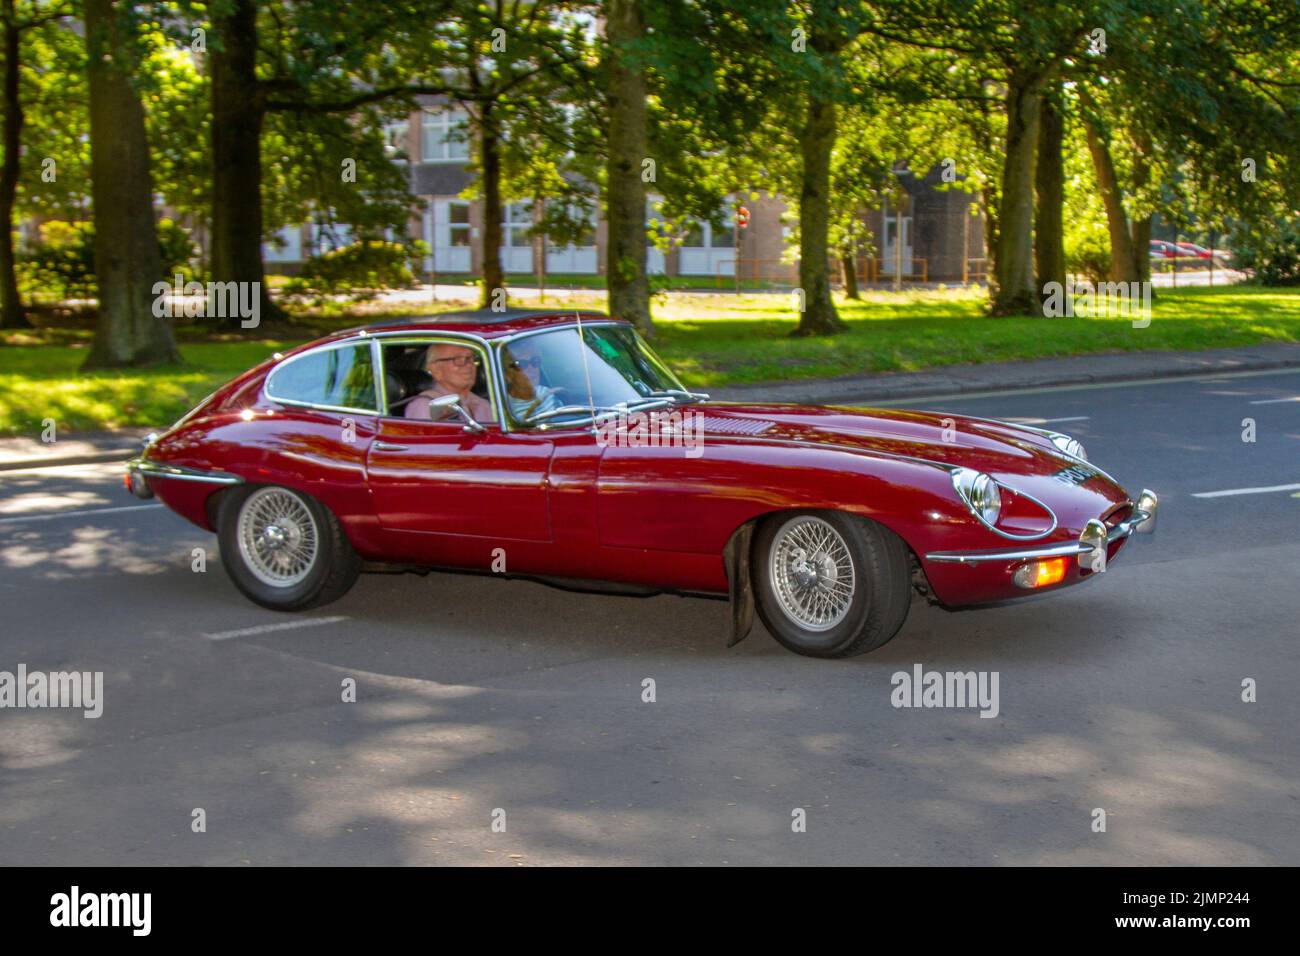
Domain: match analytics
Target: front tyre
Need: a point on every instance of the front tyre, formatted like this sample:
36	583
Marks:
830	584
284	549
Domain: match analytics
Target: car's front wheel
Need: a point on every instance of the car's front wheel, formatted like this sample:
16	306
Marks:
284	549
830	584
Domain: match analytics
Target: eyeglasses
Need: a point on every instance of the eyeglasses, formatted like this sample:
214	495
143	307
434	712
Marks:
526	363
460	361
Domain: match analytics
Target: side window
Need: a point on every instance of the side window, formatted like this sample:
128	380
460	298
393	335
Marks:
407	374
340	378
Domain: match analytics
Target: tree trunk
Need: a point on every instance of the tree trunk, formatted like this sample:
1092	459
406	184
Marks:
489	160
12	314
1049	225
816	139
850	266
625	198
238	112
127	259
1015	293
989	210
1122	268
1140	229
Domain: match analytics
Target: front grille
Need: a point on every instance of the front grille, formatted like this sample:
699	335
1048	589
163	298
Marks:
1117	514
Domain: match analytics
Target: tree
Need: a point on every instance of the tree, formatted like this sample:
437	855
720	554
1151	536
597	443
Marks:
127	262
15	22
831	28
316	63
1049	190
628	285
492	58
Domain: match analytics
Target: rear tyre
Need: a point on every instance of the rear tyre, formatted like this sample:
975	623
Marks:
284	549
830	584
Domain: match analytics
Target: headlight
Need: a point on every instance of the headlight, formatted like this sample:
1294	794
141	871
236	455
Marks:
980	492
1071	446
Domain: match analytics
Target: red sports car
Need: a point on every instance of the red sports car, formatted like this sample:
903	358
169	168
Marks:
558	446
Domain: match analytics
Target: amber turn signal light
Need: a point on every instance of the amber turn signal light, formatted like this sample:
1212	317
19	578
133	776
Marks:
1040	574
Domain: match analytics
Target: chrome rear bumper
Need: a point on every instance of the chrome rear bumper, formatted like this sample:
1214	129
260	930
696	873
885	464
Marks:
137	469
1094	537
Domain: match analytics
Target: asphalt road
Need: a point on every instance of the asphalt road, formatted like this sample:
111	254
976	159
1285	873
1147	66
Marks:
477	695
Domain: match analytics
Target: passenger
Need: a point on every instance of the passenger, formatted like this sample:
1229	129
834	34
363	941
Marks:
524	388
454	369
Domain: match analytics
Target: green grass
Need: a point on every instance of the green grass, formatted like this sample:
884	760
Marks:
727	340
712	340
38	382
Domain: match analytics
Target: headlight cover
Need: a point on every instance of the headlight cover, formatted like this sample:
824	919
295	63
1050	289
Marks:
980	493
1071	446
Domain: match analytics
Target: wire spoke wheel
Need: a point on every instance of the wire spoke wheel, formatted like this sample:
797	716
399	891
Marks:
278	537
811	573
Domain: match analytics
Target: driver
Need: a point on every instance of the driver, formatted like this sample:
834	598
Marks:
524	388
454	369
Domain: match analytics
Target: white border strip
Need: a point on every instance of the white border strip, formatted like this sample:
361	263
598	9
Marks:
269	628
1245	491
77	514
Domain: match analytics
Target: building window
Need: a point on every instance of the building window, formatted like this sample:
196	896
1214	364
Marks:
395	138
514	227
445	136
458	223
587	237
705	235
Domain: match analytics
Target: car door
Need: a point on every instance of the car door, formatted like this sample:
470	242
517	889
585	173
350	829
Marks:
435	477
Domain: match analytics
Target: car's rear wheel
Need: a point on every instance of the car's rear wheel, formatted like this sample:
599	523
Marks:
830	584
284	549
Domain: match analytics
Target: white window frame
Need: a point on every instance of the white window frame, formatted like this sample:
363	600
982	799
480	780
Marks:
436	142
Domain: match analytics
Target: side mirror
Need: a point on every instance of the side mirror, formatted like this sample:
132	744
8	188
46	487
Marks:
453	402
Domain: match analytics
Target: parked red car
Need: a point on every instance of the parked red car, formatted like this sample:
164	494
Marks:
593	464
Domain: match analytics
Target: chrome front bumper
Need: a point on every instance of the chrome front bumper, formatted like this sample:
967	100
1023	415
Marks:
1094	537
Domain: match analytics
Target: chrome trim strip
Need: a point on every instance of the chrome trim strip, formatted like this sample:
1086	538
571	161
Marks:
998	531
1024	554
381	384
180	473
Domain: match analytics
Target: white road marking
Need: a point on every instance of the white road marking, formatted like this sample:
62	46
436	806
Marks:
1244	491
911	400
77	514
1274	401
1047	421
268	628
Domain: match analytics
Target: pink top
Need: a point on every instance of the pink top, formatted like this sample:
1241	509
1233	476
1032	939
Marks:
418	407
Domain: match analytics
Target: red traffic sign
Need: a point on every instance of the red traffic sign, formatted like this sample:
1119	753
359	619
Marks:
742	217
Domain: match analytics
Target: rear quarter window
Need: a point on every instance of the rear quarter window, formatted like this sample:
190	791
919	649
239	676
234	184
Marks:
341	377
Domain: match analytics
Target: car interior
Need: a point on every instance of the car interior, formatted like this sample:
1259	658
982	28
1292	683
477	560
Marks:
405	376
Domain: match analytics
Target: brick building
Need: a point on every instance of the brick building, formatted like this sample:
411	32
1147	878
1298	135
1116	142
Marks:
935	226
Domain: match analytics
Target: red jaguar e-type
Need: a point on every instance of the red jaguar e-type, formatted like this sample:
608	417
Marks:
558	446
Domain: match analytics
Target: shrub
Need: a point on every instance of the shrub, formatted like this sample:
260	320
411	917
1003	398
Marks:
1271	251
175	249
358	270
62	261
1087	251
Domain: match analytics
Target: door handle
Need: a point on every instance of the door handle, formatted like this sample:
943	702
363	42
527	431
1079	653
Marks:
388	446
